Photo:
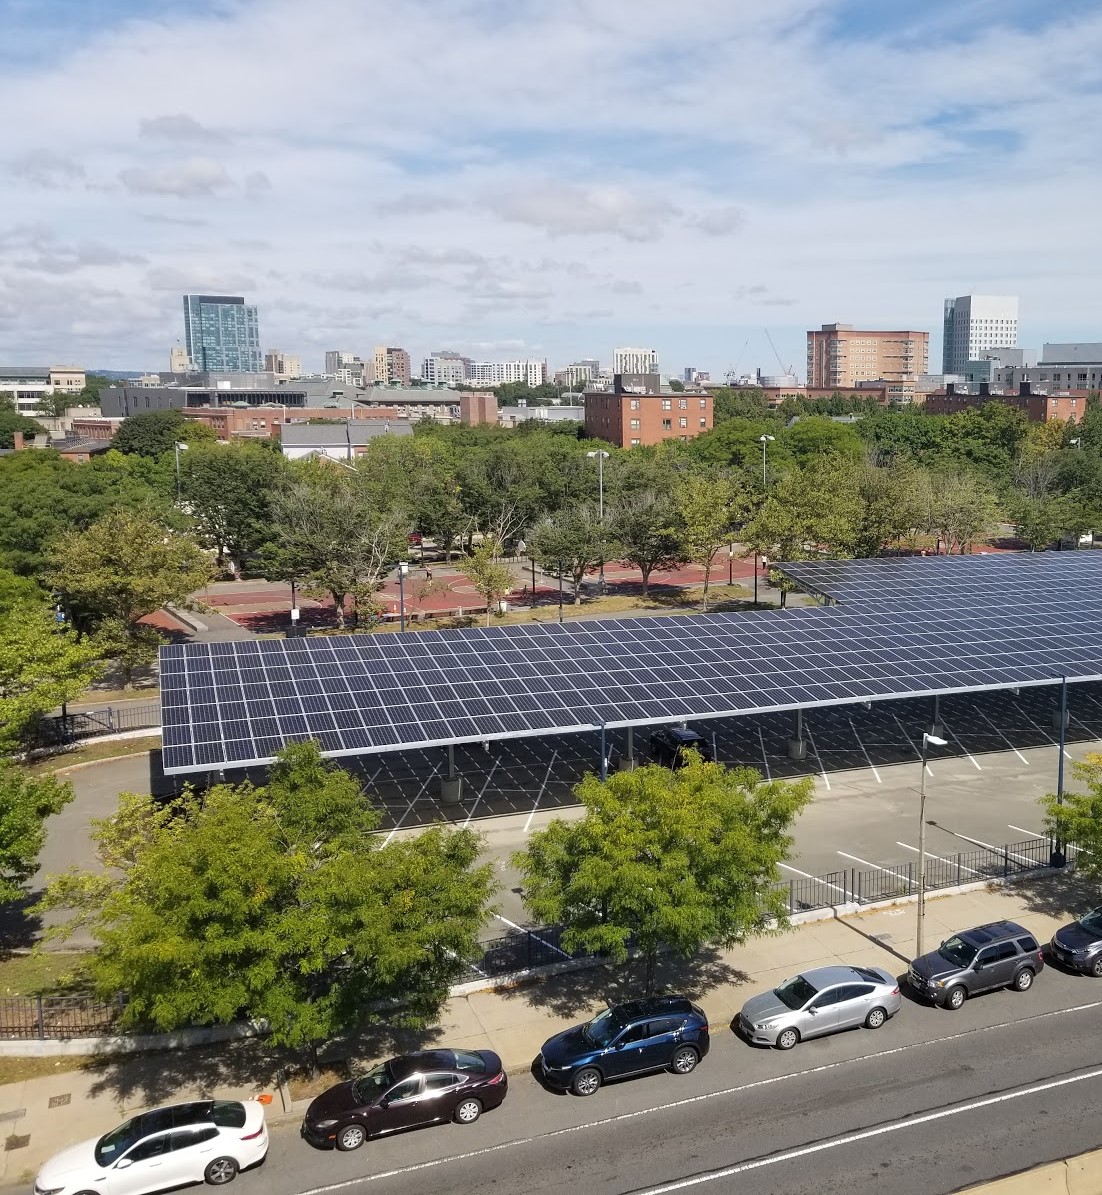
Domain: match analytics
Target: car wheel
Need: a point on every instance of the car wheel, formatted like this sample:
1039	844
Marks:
955	997
684	1061
352	1136
787	1038
586	1081
1023	981
468	1111
1096	967
220	1171
876	1018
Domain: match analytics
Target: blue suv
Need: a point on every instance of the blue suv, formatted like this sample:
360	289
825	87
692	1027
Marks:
658	1033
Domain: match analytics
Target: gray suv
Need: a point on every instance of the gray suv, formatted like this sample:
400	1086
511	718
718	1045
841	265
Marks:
999	955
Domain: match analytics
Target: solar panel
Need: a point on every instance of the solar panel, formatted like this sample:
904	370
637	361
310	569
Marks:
900	627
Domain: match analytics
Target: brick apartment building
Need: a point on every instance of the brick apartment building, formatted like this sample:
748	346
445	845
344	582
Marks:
840	356
1068	405
638	412
477	407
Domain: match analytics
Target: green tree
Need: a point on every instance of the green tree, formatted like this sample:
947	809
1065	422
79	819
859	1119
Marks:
227	490
1077	817
893	505
277	902
574	540
1044	520
153	433
490	577
646	526
707	509
964	509
676	385
11	422
120	570
42	665
336	534
682	859
25	803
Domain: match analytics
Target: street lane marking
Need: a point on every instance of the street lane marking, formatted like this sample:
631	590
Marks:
409	807
482	792
997	850
880	1130
910	743
1041	730
931	855
866	863
864	752
541	941
806	876
1023	830
945	727
822	770
543	789
692	1099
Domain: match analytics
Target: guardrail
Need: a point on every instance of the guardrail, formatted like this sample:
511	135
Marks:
70	1016
88	724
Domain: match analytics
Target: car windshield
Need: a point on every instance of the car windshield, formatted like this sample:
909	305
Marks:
111	1146
958	951
795	993
368	1086
1092	922
470	1063
604	1028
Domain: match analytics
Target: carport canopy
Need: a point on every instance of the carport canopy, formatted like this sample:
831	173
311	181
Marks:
896	627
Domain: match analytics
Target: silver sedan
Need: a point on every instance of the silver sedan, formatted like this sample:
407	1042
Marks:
821	1001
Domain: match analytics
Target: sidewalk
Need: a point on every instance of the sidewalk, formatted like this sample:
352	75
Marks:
513	1022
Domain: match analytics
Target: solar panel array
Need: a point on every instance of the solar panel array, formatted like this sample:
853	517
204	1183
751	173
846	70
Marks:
904	627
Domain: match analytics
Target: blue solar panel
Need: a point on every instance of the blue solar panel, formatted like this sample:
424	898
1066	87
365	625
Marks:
904	626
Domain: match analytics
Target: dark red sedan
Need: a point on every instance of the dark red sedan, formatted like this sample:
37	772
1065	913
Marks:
419	1089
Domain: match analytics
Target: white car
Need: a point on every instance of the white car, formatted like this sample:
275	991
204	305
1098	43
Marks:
205	1141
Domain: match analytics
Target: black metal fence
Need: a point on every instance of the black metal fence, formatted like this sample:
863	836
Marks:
84	1016
88	724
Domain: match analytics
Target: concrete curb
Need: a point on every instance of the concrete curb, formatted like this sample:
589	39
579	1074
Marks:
1078	1175
181	1039
187	618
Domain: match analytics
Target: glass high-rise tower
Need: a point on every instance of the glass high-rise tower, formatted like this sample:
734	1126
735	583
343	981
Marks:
221	333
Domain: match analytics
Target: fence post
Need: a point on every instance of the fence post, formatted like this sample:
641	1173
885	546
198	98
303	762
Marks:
41	1021
110	718
528	944
1006	861
958	869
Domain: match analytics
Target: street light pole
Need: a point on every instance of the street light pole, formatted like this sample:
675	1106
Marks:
764	440
560	590
601	456
927	739
178	447
403	568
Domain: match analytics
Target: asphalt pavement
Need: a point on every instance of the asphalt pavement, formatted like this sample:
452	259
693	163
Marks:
932	1102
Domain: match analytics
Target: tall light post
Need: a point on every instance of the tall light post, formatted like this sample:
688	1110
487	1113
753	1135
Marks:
1078	442
927	740
403	569
601	456
178	448
764	440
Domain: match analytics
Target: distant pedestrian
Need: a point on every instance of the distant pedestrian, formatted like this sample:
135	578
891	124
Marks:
428	574
521	547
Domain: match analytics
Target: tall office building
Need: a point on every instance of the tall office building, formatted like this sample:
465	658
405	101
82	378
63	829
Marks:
975	324
391	366
841	356
221	333
282	365
532	372
635	361
445	368
337	358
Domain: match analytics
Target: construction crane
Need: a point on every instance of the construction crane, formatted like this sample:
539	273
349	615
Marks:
787	369
731	375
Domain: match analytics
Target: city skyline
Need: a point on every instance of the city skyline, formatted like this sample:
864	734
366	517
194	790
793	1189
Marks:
533	229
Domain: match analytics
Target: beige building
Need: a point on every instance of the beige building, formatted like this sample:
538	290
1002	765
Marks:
283	365
178	360
840	356
391	366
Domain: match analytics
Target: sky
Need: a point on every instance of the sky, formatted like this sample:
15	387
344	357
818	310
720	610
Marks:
512	179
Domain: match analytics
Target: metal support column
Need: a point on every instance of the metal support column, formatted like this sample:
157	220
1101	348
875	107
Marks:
797	747
451	785
935	722
604	754
1059	856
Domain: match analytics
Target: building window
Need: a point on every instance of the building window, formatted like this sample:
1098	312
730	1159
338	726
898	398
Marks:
667	424
634	443
682	422
704	423
703	403
635	404
667	405
635	425
683	404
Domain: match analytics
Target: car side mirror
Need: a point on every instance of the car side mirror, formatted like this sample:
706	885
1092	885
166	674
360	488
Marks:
122	1163
813	1011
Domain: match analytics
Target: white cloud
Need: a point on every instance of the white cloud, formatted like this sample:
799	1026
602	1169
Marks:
193	179
179	127
44	168
564	210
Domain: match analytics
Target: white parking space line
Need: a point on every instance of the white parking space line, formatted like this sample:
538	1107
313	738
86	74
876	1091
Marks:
910	743
543	789
930	855
413	801
868	760
822	770
997	850
866	863
806	876
541	941
1054	742
1023	830
962	747
994	726
764	755
482	792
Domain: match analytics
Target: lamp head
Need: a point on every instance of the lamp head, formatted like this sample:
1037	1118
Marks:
934	741
766	439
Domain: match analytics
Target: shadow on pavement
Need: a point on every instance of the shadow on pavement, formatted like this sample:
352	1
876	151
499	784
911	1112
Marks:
578	993
1064	894
875	939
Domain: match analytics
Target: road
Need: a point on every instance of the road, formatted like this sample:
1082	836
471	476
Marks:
932	1102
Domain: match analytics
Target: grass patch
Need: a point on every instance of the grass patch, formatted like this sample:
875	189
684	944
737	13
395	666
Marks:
16	1070
93	752
35	974
93	696
307	1087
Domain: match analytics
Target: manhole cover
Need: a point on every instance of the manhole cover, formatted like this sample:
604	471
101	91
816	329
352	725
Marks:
59	1101
16	1142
